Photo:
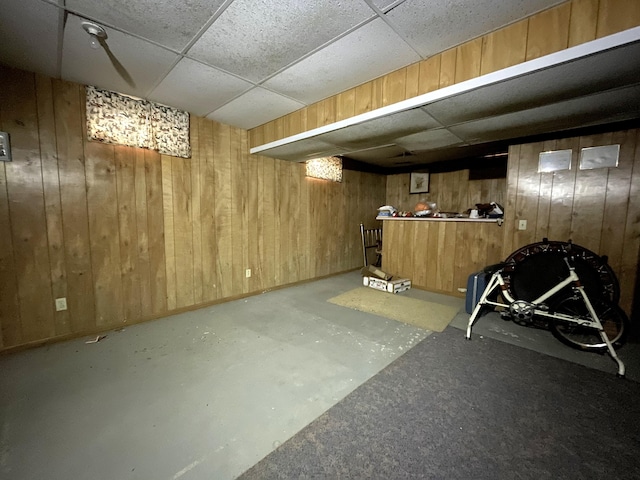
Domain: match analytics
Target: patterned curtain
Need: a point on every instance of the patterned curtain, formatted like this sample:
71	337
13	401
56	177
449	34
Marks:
327	168
119	119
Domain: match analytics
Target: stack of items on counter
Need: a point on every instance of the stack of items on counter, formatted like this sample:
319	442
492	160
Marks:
425	209
387	211
489	210
430	209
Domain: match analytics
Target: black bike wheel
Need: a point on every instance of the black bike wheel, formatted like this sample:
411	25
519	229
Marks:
535	268
614	322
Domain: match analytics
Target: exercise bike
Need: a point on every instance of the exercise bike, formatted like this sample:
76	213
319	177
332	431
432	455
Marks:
594	324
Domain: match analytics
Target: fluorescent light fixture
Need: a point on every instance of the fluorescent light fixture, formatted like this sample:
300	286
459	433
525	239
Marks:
326	168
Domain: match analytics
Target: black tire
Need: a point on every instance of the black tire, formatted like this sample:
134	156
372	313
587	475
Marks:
535	268
613	319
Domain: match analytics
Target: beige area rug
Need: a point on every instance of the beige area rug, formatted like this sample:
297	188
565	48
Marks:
419	313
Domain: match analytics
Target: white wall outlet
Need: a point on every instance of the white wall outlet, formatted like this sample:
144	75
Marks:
522	224
61	304
247	273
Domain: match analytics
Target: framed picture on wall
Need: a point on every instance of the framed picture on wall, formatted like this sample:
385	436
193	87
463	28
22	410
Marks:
419	182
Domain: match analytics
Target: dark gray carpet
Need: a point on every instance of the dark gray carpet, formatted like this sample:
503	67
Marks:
480	409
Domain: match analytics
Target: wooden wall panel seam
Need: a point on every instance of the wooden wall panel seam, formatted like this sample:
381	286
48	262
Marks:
9	304
631	252
169	240
70	140
52	197
156	231
27	209
196	211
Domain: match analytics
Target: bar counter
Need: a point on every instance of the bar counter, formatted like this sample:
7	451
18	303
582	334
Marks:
439	254
438	219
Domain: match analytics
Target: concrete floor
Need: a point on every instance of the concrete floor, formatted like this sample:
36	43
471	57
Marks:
207	394
204	394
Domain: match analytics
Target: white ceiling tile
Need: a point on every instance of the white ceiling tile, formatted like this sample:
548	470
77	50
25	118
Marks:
436	138
372	154
129	65
385	4
433	26
611	106
541	87
302	151
255	39
33	44
381	131
254	108
369	52
209	88
456	152
168	22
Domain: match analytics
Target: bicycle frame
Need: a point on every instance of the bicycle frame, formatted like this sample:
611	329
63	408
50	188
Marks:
573	279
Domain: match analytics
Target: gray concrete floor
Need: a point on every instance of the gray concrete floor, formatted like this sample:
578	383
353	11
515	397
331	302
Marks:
207	394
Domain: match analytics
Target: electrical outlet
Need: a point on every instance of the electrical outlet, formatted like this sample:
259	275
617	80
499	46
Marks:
522	225
247	273
61	304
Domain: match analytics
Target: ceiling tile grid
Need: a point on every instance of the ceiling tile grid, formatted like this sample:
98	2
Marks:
32	47
437	25
301	52
611	105
382	131
550	94
254	108
247	62
170	23
436	138
256	39
385	5
210	88
124	64
369	52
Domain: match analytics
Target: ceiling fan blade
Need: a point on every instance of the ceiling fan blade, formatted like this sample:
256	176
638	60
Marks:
122	71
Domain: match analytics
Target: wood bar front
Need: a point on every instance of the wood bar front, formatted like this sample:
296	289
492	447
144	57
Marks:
439	255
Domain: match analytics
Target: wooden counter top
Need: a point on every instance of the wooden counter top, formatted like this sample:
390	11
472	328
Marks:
438	219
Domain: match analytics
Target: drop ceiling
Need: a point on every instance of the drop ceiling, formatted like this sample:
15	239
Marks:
593	84
246	62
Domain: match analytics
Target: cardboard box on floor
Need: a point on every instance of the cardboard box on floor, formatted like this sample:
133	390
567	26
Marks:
380	280
372	271
391	286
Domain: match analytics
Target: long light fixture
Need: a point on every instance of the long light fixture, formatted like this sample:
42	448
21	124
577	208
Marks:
326	168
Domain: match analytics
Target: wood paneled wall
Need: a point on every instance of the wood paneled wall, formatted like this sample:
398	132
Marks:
439	255
598	209
451	191
126	234
566	25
